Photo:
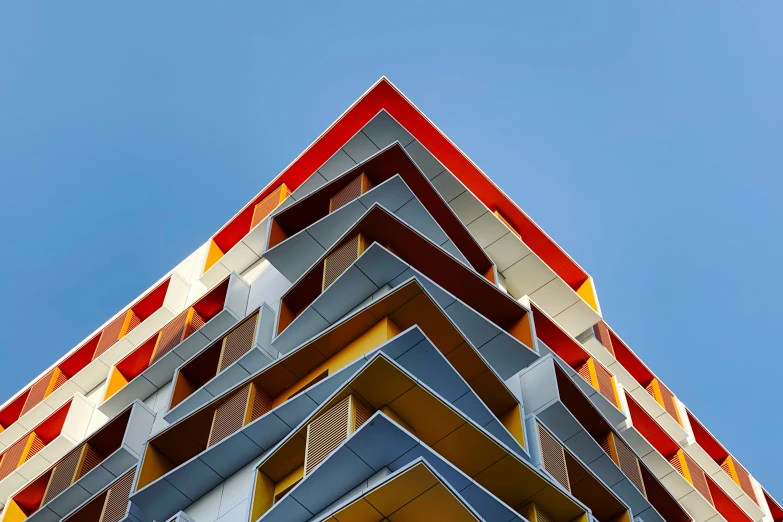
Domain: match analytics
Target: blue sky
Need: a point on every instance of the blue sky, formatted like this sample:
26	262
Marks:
644	137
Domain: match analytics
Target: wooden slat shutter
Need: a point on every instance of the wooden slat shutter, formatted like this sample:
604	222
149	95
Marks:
533	513
247	404
331	428
601	332
553	457
625	459
169	337
686	467
665	398
739	476
238	342
268	204
341	258
116	503
109	335
62	475
358	186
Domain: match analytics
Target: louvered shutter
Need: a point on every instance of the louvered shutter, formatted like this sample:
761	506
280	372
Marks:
247	404
62	475
600	379
116	503
37	392
686	467
739	475
533	513
358	186
268	204
553	457
330	429
109	335
169	337
341	258
238	342
601	332
665	398
90	459
625	459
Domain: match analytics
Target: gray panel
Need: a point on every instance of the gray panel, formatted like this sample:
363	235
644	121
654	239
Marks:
230	454
507	355
472	407
301	329
254	360
295	255
295	410
160	500
476	328
403	342
287	510
360	147
443	298
426	162
430	367
119	462
199	398
379	443
538	384
487	506
349	290
138	429
336	165
391	194
502	434
204	335
384	130
267	430
331	479
65	502
447	185
415	215
194	478
226	379
97	479
311	184
379	265
321	391
327	230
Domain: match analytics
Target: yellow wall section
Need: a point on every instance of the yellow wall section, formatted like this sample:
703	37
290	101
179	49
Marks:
116	382
587	293
512	420
263	495
289	480
13	513
154	465
378	334
213	255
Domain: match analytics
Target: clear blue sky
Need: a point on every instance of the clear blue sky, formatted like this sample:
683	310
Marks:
644	137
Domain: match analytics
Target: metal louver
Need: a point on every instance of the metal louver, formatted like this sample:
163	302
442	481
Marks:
534	513
246	405
739	476
90	459
341	258
358	186
169	337
601	332
39	390
116	503
553	457
62	476
665	398
625	459
330	429
238	342
268	204
109	335
686	467
600	379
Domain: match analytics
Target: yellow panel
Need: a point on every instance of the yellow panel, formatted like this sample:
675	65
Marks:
126	325
512	420
380	383
467	362
116	382
368	341
436	504
13	513
483	451
289	480
422	311
154	465
213	255
402	489
556	504
510	481
359	511
431	419
396	418
263	494
522	331
587	293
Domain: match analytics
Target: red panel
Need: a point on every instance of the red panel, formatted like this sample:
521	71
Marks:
630	361
705	439
152	301
80	358
10	413
29	499
384	96
775	509
650	429
51	427
725	506
212	303
138	360
557	340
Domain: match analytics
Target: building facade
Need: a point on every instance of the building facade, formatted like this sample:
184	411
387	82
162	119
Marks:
380	334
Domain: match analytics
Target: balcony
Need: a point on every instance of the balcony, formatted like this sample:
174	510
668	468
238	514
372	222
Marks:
722	467
657	400
301	233
153	363
111	505
242	241
682	476
106	454
385	392
557	400
44	445
241	351
87	366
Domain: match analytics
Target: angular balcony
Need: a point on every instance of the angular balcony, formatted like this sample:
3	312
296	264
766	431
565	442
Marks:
560	402
683	477
723	468
358	266
775	510
575	477
110	505
378	434
242	241
657	400
86	367
152	364
301	233
601	384
241	351
44	445
87	469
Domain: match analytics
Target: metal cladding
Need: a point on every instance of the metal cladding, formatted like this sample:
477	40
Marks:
380	334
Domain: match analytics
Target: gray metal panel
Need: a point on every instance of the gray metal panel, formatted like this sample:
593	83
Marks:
327	230
295	410
295	255
472	407
160	500
360	147
384	130
139	427
430	367
379	442
379	265
414	213
229	455
97	479
267	431
119	462
476	327
349	290
301	329
194	478
63	503
507	355
162	370
392	194
336	165
426	162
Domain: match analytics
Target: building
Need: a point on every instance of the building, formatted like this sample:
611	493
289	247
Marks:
380	334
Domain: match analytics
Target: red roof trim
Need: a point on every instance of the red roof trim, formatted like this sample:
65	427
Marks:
384	96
